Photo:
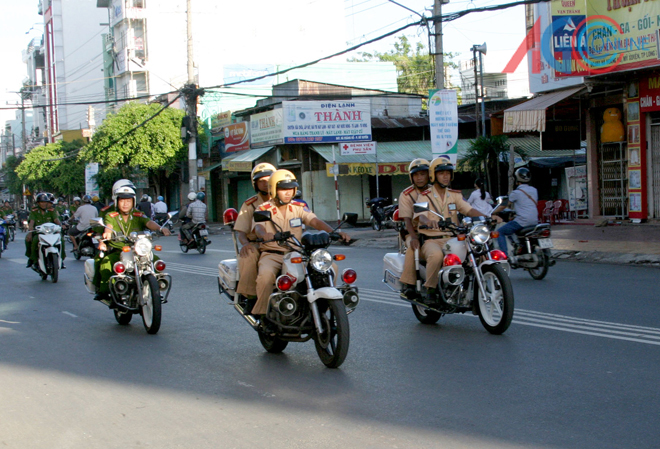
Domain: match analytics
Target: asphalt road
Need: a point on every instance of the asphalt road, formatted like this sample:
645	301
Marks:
578	368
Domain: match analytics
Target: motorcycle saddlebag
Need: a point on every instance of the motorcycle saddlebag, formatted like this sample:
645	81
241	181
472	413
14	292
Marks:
393	267
227	275
89	276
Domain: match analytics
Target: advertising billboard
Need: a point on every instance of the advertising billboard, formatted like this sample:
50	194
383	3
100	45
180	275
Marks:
236	137
266	129
326	121
443	120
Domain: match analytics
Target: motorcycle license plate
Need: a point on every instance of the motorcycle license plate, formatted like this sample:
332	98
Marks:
545	243
203	232
95	241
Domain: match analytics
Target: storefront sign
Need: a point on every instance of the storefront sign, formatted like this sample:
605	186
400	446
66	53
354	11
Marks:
561	135
237	166
649	93
357	148
357	169
326	121
236	137
220	120
266	129
443	120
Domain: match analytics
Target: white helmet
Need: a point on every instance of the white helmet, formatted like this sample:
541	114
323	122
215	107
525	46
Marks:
192	196
122	183
123	192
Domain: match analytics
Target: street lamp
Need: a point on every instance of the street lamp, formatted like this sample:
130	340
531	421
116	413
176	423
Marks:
482	51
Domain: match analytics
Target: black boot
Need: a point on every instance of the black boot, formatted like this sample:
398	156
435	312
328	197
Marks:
408	292
29	264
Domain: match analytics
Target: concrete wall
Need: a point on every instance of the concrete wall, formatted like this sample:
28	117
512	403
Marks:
320	195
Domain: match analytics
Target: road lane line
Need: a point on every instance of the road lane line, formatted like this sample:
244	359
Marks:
595	334
70	314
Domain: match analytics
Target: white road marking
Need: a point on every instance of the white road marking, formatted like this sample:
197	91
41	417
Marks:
21	261
70	314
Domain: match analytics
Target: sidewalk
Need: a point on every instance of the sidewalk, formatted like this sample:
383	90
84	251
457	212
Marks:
622	243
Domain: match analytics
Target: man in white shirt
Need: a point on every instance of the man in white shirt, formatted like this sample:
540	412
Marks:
160	208
197	212
83	214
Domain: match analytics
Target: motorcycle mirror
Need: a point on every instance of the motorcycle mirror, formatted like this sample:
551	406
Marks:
501	200
96	221
261	215
421	207
350	218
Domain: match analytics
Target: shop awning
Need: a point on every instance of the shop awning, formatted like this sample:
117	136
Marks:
242	160
207	171
530	115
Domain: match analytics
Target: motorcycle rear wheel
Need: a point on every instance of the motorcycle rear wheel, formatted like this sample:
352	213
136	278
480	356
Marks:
55	266
201	246
540	272
332	344
123	318
495	311
375	225
424	315
151	310
272	344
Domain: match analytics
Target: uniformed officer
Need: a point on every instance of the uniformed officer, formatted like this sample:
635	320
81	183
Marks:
124	220
5	210
289	215
42	213
248	257
445	202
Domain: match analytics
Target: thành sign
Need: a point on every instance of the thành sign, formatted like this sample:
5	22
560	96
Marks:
355	148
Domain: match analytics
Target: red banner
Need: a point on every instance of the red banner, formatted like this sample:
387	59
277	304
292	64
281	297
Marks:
649	93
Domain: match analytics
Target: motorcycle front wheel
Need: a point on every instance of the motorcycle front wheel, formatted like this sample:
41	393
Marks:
375	224
272	344
496	309
332	343
11	234
541	270
151	308
54	267
424	315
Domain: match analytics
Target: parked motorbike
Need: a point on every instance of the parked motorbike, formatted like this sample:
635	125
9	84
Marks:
305	303
474	278
530	248
139	285
381	213
11	226
199	240
87	244
49	261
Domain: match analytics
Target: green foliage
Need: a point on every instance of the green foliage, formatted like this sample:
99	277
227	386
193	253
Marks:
153	147
53	168
415	66
8	171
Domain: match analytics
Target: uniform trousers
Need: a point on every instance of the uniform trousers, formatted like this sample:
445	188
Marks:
432	252
247	270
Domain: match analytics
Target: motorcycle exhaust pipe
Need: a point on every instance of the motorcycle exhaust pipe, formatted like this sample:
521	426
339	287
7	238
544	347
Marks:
351	300
453	275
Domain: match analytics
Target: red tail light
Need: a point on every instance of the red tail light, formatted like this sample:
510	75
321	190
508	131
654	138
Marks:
349	276
284	283
119	268
159	265
545	233
451	259
496	254
395	217
230	216
202	226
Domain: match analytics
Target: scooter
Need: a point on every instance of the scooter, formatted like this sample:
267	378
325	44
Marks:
49	262
381	214
87	244
305	303
199	239
166	220
11	226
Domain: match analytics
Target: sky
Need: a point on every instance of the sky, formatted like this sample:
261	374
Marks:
502	31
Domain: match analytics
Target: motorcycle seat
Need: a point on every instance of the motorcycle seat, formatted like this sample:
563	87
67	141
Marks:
531	229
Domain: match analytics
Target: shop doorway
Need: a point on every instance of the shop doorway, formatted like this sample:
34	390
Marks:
655	167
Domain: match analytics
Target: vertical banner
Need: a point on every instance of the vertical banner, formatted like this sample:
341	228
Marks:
443	120
91	187
576	177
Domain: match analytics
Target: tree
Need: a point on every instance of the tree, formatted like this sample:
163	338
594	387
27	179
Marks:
415	67
484	156
12	180
53	168
153	148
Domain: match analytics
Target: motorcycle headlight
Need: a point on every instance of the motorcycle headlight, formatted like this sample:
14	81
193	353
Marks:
479	234
321	260
142	247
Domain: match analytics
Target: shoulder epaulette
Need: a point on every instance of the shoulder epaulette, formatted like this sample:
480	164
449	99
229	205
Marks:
426	192
113	214
103	209
251	200
265	206
51	210
409	190
34	209
298	203
138	214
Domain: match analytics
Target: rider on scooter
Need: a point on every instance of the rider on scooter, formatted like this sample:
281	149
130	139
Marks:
445	202
248	257
43	213
524	199
82	214
197	213
289	215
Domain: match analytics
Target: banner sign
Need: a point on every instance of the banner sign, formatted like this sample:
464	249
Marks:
576	177
220	120
236	137
649	93
266	129
357	148
326	121
91	187
237	166
443	120
357	169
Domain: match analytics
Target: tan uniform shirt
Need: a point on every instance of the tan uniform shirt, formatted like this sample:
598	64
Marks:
291	218
244	220
447	205
406	201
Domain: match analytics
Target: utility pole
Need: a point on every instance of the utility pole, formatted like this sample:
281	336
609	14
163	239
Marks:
439	62
191	102
24	137
476	89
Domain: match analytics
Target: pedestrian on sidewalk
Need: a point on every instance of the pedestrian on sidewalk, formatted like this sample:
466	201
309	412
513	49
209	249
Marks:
480	199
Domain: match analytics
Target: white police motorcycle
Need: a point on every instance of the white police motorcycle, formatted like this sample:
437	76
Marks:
49	247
